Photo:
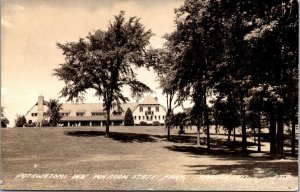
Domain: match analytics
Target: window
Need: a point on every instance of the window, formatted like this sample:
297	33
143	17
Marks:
64	114
147	118
134	117
149	108
143	117
157	109
159	117
151	117
95	114
139	117
163	117
79	114
155	117
33	114
141	109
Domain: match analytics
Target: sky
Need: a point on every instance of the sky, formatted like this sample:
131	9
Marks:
30	30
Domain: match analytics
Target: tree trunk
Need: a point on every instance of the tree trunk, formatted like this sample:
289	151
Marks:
293	137
229	134
107	123
259	132
234	135
272	133
169	135
244	131
216	128
169	109
206	122
198	134
254	137
280	133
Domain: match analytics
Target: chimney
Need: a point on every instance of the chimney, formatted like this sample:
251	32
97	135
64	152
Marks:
40	117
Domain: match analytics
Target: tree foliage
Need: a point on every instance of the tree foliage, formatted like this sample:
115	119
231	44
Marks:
245	51
4	120
20	121
53	112
103	62
128	119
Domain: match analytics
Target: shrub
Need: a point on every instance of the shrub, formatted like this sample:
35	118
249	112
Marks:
156	123
4	122
128	120
20	121
143	123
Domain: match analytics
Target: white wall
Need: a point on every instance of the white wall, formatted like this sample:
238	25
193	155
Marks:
157	116
29	116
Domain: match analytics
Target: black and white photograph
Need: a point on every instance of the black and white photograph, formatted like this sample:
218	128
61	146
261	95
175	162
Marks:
181	95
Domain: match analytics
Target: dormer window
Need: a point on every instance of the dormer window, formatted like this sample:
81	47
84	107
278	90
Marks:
98	113
80	112
65	113
141	109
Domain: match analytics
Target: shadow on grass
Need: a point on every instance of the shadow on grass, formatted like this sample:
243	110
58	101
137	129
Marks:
257	169
84	133
253	166
122	137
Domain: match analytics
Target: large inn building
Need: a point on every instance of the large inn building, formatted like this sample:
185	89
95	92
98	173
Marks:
92	114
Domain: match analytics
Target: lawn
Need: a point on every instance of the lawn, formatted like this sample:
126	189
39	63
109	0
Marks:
135	158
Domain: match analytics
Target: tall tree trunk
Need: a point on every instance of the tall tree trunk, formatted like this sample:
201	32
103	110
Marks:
107	122
293	136
229	134
169	109
198	132
280	133
272	132
244	131
254	135
206	121
259	132
234	135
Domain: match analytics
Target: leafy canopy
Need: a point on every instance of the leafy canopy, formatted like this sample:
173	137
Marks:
103	62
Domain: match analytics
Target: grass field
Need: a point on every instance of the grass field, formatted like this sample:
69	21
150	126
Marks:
135	158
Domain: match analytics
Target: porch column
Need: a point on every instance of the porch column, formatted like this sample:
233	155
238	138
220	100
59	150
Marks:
112	123
68	123
79	124
90	123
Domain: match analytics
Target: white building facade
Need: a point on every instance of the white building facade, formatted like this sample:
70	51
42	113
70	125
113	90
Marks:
148	112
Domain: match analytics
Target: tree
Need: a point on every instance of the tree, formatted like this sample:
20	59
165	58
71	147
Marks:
128	119
103	62
198	46
53	112
161	60
180	120
4	120
273	53
20	121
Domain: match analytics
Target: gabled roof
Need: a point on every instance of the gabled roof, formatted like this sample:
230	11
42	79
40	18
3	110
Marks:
149	101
